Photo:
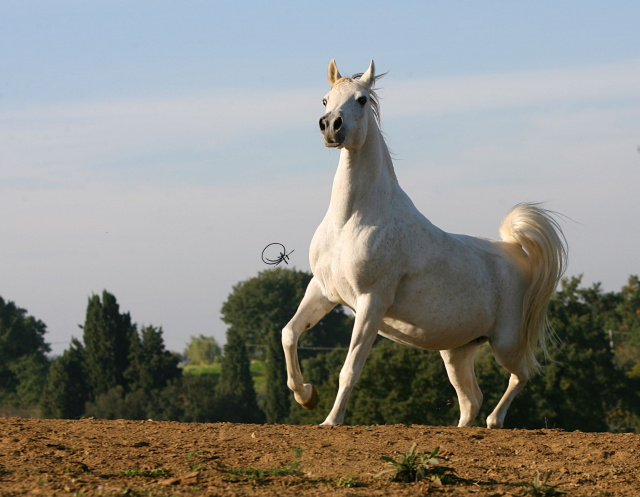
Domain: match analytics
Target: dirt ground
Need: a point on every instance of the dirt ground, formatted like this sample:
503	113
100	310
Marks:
97	457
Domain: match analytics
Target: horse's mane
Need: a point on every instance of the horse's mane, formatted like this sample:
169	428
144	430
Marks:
375	99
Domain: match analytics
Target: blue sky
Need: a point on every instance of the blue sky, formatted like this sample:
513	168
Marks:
154	149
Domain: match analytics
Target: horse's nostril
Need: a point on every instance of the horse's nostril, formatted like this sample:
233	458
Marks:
322	126
337	124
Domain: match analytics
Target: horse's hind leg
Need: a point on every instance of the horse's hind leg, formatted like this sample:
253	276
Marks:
519	376
459	364
312	309
496	418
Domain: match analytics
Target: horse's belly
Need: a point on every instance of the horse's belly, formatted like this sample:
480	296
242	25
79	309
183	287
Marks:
430	339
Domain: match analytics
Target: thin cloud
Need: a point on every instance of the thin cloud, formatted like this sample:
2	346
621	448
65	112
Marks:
515	89
61	142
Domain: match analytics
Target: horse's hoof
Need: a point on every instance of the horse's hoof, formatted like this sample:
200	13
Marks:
312	403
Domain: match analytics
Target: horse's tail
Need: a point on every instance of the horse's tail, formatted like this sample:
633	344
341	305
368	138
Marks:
537	231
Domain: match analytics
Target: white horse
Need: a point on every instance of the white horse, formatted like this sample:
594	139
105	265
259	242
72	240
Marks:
409	281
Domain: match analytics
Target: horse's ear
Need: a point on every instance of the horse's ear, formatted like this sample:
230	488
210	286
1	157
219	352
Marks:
369	78
334	74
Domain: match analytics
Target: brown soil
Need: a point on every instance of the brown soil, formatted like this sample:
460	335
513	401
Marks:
96	457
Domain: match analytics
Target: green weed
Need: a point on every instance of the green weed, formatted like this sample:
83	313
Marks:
258	475
198	452
30	471
147	473
413	467
349	482
539	488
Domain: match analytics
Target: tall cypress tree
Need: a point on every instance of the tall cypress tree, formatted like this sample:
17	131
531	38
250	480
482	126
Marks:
67	389
235	392
107	339
151	365
278	400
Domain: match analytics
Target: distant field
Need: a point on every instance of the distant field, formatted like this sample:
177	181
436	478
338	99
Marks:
258	373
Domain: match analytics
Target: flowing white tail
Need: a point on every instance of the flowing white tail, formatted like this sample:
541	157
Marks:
539	234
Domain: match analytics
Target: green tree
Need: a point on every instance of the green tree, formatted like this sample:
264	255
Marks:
235	391
270	300
23	361
625	328
257	309
108	335
579	386
278	396
116	373
171	402
629	308
117	403
31	373
67	389
151	366
399	384
624	334
201	403
188	399
321	371
583	362
202	350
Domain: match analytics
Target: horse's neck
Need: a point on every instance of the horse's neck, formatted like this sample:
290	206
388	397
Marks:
365	179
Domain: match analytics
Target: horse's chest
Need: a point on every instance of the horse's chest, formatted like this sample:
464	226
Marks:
350	261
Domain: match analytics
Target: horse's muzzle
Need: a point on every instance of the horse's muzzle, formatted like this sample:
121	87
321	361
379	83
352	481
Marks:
331	126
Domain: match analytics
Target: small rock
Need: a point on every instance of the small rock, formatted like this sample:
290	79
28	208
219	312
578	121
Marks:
170	481
190	478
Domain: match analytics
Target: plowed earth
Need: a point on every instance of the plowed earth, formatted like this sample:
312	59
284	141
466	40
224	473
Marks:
96	457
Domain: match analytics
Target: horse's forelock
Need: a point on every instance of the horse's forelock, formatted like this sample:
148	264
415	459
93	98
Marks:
373	95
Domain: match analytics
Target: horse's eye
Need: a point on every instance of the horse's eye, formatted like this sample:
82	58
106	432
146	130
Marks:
324	102
362	101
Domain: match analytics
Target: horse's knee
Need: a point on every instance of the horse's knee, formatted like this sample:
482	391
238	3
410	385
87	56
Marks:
289	338
349	374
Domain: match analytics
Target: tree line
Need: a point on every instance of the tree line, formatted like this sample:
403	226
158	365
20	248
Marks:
120	370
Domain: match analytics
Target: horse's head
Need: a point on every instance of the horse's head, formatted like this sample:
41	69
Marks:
350	104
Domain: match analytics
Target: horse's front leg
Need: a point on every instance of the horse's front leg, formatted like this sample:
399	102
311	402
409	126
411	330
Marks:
313	307
369	313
